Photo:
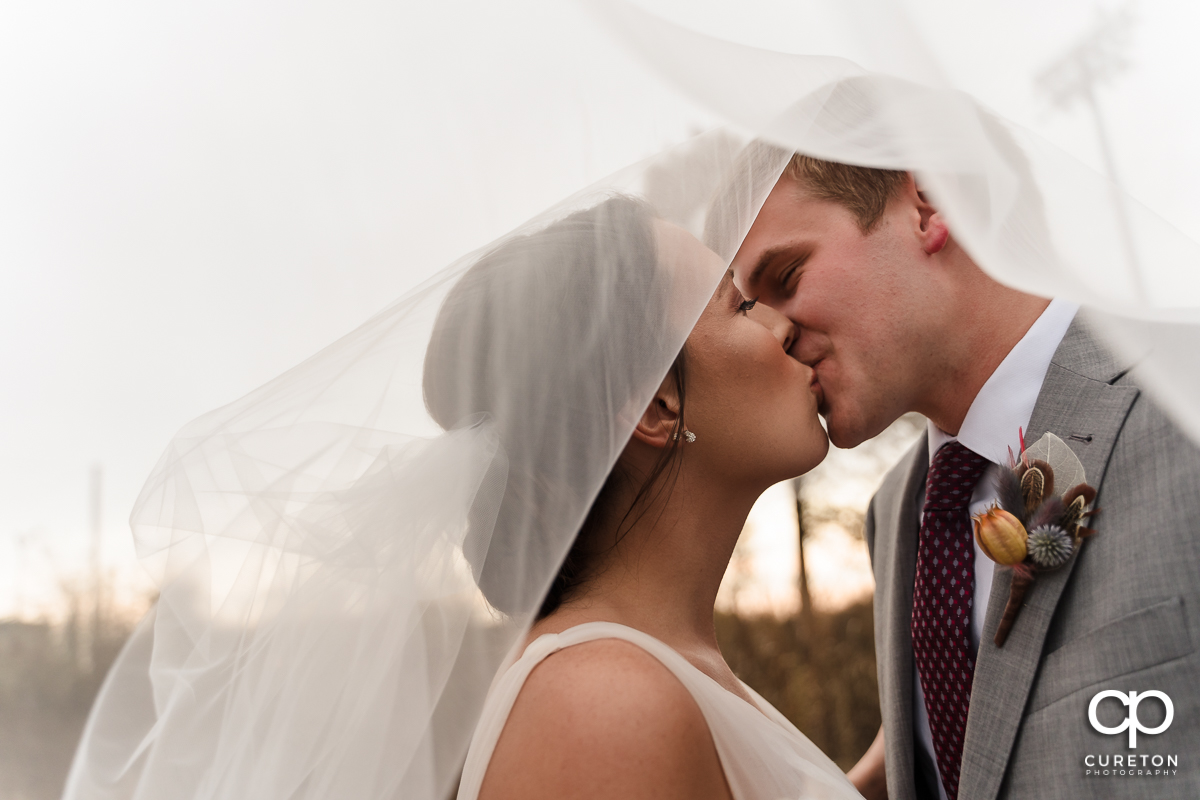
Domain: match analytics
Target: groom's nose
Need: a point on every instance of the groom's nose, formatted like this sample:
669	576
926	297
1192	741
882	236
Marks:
780	326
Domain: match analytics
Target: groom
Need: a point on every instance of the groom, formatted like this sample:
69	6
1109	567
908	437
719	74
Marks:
894	316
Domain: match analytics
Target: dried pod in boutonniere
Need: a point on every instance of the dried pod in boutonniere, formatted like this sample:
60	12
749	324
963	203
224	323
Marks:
1031	528
1001	536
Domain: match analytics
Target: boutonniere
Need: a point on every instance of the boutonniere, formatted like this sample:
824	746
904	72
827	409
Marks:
1032	528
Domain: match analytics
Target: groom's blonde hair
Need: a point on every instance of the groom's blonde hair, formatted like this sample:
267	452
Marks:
864	191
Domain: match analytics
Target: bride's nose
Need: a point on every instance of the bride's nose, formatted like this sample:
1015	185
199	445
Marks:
779	325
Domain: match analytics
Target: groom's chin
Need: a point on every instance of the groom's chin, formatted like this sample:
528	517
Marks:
844	433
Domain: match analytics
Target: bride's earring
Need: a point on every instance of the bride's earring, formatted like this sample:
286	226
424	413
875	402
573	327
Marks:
688	436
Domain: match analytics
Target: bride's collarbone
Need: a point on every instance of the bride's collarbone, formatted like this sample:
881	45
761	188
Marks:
718	669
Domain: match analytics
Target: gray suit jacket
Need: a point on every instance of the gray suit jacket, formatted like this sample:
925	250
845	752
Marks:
1124	614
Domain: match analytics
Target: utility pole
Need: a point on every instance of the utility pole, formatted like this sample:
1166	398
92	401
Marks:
22	569
95	513
1098	58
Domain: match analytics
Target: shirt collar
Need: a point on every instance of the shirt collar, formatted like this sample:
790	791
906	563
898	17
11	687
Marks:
1006	401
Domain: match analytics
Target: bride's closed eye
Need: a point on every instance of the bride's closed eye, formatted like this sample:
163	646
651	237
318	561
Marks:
746	305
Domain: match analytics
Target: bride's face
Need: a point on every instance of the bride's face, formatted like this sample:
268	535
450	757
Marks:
750	404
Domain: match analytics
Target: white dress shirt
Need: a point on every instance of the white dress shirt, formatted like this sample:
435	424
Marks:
1002	407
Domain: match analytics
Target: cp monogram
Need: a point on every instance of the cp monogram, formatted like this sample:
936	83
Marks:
1131	721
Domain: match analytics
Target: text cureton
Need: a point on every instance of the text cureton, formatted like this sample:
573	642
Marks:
1130	760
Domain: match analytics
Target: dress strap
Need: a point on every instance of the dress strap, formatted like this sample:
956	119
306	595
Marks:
551	643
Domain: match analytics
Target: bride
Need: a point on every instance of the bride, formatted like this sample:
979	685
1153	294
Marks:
529	474
622	690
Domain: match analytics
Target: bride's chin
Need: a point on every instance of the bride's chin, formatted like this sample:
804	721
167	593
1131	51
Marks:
811	454
820	449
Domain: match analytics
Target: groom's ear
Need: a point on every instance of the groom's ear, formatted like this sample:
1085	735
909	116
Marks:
661	418
932	230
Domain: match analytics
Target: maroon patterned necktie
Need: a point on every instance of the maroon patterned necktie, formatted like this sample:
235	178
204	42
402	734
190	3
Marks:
942	600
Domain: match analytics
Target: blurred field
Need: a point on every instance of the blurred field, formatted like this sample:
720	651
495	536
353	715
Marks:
49	675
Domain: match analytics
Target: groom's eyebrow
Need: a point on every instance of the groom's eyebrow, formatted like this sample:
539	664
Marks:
764	262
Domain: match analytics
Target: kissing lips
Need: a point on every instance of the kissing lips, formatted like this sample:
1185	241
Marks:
815	387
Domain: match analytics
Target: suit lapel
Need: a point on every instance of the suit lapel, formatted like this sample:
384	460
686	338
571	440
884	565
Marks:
1080	406
897	598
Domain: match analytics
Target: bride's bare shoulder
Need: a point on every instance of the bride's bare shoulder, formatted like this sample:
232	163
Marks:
604	719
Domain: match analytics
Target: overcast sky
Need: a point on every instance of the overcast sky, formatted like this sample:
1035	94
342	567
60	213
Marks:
195	197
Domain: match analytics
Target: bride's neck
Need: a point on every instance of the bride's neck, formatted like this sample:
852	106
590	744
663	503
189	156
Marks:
662	576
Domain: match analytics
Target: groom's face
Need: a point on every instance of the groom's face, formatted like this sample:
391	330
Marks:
856	298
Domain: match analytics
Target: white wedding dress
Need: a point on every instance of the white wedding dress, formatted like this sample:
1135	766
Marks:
763	754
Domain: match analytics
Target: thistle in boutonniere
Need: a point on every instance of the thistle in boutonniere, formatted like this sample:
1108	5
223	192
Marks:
1031	528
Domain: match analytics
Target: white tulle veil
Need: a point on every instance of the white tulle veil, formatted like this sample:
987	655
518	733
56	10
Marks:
1030	214
346	555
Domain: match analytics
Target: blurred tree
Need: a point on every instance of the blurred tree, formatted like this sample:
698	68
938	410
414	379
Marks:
820	675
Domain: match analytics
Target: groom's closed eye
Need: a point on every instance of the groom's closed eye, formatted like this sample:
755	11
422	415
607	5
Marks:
760	271
777	272
788	278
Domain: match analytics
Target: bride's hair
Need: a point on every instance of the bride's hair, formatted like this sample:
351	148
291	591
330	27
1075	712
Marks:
517	333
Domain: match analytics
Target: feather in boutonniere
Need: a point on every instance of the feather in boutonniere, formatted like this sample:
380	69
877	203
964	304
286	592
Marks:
1031	528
